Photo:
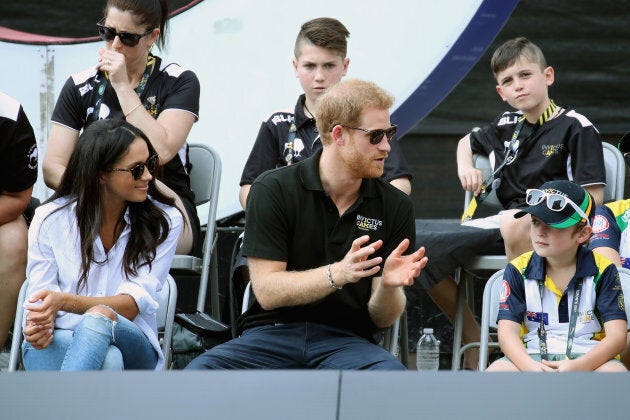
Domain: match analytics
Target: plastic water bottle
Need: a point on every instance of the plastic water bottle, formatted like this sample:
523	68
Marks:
428	351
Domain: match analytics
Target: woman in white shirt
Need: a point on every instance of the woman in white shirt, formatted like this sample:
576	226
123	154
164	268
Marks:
99	251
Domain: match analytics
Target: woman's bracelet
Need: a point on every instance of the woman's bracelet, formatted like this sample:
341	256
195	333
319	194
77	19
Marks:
74	304
133	109
330	279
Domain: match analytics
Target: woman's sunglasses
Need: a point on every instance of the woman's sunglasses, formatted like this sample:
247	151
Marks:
377	135
151	164
555	202
109	34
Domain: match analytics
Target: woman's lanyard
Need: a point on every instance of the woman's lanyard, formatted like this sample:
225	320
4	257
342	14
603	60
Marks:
542	333
492	182
104	77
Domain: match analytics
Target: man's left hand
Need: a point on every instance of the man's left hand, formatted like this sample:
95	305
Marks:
399	269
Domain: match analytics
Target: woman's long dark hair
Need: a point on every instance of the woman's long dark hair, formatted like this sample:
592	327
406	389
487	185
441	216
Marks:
99	147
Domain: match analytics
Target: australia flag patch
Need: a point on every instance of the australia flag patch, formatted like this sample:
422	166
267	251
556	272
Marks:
535	317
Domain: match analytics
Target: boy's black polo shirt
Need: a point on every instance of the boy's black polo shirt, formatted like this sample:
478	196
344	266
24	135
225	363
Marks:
290	218
565	147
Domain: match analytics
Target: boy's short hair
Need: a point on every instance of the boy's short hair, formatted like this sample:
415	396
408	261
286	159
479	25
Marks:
345	102
512	50
323	32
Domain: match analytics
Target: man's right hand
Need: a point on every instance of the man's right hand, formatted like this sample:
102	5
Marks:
356	264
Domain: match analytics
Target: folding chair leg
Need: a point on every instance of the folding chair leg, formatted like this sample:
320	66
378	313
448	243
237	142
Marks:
458	326
404	340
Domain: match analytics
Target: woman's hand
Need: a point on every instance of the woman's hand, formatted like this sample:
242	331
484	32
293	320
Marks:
42	307
113	63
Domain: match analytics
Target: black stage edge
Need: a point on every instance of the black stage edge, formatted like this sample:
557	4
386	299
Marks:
312	395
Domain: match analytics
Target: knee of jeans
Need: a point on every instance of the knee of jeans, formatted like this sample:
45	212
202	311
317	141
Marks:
113	359
102	311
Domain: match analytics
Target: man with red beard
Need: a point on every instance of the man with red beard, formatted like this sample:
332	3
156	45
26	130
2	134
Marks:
329	247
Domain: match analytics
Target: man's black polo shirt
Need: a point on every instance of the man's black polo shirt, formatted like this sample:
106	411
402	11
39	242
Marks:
290	218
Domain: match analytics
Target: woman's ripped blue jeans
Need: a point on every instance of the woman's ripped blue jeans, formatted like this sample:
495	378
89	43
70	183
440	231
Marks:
97	343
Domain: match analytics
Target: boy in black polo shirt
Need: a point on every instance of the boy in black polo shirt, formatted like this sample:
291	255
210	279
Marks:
287	137
329	245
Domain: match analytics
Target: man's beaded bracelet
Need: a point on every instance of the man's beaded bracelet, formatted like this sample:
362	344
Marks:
330	279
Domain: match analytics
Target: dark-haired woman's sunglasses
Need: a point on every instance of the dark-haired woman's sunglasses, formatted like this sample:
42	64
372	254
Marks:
151	164
377	135
109	34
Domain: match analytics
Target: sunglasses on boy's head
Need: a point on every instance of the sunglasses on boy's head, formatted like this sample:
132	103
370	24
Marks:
377	135
109	34
555	202
151	164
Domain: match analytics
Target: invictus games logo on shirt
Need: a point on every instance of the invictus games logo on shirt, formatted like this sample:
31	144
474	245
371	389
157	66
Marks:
366	223
551	149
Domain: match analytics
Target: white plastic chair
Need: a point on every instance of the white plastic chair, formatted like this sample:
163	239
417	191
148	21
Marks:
624	276
167	300
205	178
489	313
615	184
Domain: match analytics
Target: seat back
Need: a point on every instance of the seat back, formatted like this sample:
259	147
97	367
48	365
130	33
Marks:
482	163
18	324
205	178
489	313
205	175
615	173
624	276
167	301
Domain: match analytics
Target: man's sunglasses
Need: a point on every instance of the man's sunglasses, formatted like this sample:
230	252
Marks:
377	135
109	34
137	171
555	202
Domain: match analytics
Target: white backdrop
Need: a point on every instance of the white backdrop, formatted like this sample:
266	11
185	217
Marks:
241	50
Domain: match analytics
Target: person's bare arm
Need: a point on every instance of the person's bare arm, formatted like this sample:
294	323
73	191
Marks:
403	184
388	298
469	176
276	287
597	192
61	143
242	195
13	204
168	133
610	253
